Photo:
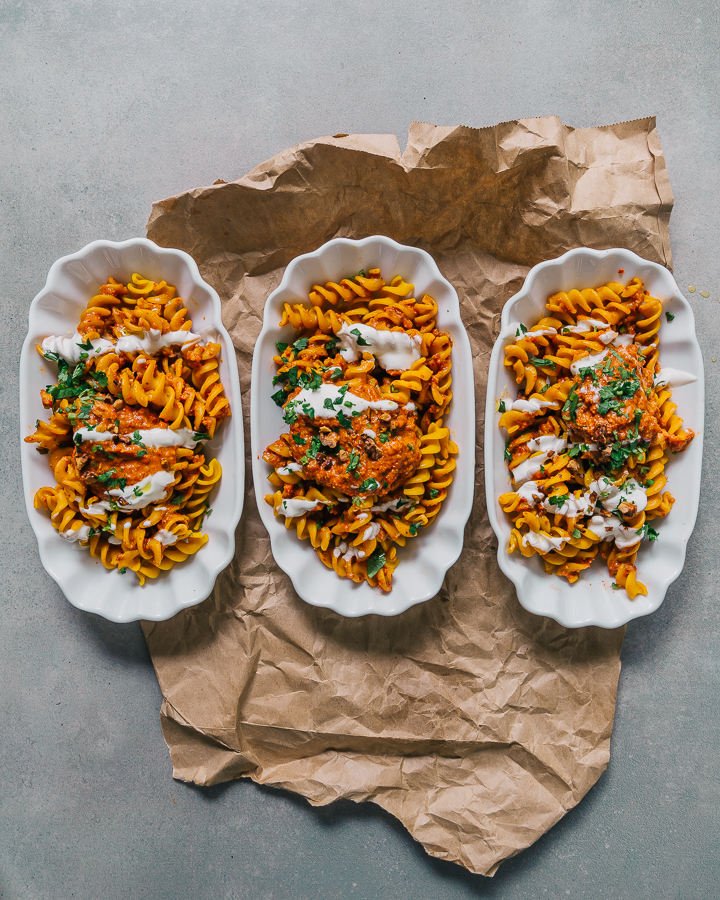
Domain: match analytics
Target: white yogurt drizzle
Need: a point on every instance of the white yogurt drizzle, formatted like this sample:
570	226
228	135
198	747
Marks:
148	437
532	405
312	403
547	442
672	377
348	553
528	467
151	341
588	362
154	340
398	503
289	469
543	542
372	531
298	506
70	349
149	490
612	529
78	534
611	496
392	349
166	538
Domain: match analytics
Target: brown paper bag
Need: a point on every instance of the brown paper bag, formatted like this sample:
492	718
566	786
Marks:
475	723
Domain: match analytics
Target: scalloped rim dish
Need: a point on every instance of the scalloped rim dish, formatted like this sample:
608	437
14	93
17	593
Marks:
591	600
424	561
71	282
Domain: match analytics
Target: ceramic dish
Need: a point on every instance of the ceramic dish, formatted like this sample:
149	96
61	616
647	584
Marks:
591	600
424	561
71	282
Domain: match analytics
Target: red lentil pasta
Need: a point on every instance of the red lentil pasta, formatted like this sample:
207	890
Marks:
590	432
367	460
137	395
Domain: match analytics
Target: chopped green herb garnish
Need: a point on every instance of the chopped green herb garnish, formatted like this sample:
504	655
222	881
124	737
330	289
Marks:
282	346
414	529
298	439
300	344
520	330
108	478
328	404
361	342
314	448
375	561
343	419
384	437
538	361
576	533
433	493
669	316
501	406
558	500
354	461
369	485
331	344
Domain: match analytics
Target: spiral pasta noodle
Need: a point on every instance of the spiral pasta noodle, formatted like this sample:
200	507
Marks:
590	432
367	461
137	395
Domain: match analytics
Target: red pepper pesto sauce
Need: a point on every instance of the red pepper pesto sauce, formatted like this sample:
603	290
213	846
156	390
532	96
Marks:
589	426
389	461
127	459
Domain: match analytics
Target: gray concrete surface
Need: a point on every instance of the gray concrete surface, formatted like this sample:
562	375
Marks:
108	106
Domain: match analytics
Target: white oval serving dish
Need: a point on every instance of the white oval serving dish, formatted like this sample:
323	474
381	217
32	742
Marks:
425	560
71	282
591	600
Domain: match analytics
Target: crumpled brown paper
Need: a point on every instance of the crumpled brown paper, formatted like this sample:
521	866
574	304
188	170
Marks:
475	723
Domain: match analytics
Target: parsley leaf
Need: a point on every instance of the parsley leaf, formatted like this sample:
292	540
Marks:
299	440
108	479
538	361
375	561
300	344
328	404
558	500
314	448
361	342
354	461
369	485
282	346
669	316
279	397
343	419
331	344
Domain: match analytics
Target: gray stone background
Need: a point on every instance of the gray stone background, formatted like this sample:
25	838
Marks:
109	106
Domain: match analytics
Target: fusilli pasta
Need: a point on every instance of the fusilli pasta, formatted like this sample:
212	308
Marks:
589	434
367	460
137	394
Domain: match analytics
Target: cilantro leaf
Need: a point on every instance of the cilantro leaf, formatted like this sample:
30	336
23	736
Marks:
354	461
279	397
669	316
370	484
299	440
501	406
282	346
384	437
300	344
343	419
